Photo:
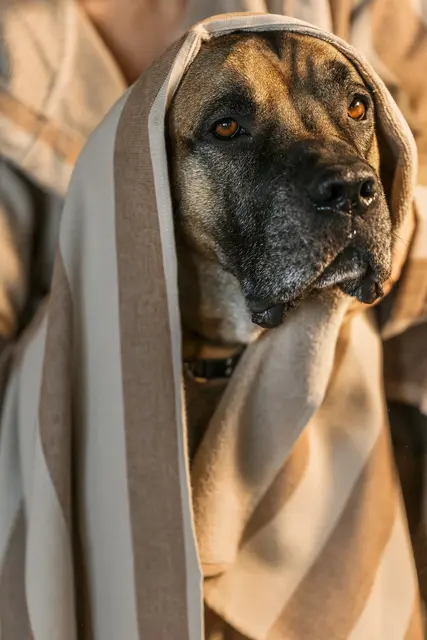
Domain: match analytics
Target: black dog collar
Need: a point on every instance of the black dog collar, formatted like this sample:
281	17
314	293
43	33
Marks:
205	370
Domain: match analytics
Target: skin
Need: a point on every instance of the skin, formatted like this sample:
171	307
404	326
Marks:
255	232
135	31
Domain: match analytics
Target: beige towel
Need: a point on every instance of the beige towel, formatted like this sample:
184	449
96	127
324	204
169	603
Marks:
298	518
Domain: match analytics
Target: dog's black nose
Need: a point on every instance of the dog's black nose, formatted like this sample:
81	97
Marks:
347	188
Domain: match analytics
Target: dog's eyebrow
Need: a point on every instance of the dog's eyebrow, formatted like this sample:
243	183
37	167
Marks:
229	104
339	72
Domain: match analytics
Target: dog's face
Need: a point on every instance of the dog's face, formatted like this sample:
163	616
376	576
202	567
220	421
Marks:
275	170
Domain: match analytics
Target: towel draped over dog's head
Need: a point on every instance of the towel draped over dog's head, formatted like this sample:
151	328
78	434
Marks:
285	486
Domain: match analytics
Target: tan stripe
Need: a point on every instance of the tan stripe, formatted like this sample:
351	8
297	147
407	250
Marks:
83	601
346	567
217	629
282	488
55	394
415	627
412	303
405	363
148	377
66	146
14	621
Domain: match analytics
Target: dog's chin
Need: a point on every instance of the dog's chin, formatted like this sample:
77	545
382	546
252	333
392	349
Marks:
351	271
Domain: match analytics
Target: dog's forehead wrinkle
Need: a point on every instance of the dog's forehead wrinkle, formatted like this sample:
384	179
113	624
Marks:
315	117
258	71
317	64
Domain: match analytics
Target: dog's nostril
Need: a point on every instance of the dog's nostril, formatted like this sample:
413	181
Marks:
335	193
328	193
368	190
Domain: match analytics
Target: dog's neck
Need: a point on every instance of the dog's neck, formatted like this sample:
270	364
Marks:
215	319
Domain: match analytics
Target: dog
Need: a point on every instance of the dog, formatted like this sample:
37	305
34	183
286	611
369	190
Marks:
275	177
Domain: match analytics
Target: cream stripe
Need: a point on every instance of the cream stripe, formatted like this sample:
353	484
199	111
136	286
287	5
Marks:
164	206
14	621
388	611
10	468
49	566
300	533
103	493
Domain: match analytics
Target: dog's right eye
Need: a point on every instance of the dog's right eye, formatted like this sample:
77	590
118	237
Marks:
227	129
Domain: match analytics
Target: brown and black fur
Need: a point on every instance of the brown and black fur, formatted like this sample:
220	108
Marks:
255	232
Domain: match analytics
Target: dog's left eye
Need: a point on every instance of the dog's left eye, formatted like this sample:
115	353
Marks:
357	109
227	129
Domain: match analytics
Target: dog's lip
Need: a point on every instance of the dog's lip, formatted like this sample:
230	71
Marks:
350	270
270	317
260	305
348	265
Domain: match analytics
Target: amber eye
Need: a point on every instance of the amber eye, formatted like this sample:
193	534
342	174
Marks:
357	109
226	128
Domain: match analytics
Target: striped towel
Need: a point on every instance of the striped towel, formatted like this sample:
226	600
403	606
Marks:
293	527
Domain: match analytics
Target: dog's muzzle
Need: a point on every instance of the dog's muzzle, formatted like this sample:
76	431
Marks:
339	191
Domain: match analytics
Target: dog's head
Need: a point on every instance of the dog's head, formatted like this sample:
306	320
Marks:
275	170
